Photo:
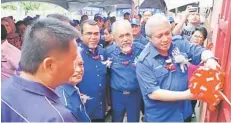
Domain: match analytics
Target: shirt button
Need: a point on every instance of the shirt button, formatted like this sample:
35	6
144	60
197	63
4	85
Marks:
101	103
96	66
100	94
97	75
99	84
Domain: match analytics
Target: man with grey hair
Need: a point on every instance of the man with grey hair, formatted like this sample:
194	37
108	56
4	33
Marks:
60	17
125	91
94	79
48	58
162	74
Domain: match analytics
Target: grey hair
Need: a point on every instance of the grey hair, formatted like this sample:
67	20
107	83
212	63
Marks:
90	22
42	37
124	23
60	17
154	21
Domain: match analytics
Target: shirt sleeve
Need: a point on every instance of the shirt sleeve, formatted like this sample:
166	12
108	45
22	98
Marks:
192	51
146	79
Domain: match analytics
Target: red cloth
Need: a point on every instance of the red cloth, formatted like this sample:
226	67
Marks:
206	85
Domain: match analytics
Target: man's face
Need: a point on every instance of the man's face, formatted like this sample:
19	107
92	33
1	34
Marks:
124	38
91	35
146	15
127	17
194	18
161	37
79	71
135	30
100	23
63	64
22	28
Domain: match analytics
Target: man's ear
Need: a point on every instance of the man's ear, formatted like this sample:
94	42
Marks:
49	65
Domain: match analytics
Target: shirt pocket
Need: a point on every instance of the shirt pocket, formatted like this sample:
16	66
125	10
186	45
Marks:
161	74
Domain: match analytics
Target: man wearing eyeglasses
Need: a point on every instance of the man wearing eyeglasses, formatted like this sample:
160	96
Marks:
94	79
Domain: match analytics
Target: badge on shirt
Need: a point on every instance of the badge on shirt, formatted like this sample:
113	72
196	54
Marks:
181	59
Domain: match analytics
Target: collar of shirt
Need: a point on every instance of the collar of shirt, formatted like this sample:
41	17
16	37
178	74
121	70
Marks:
35	88
154	52
87	50
69	89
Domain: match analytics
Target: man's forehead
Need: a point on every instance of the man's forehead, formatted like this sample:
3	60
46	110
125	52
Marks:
88	27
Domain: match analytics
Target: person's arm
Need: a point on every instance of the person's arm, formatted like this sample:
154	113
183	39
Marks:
150	86
166	95
178	28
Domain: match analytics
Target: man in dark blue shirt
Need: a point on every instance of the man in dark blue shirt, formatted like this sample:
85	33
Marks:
125	91
136	32
93	83
162	71
47	61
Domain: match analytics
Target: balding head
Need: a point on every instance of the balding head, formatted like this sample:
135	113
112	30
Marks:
155	21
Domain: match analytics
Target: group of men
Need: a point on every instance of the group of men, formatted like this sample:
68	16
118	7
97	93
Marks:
65	81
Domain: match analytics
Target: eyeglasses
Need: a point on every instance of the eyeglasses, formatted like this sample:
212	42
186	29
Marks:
198	37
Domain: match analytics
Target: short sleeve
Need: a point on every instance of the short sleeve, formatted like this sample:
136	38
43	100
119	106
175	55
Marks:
146	79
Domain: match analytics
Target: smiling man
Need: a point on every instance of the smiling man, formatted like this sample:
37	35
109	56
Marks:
94	79
162	81
125	92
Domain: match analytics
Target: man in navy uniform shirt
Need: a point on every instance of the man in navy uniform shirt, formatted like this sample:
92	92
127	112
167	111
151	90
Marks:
136	32
161	71
125	91
70	94
94	79
48	55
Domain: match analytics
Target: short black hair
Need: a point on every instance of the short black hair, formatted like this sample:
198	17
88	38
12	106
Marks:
4	32
202	30
42	37
20	22
125	14
90	22
140	16
60	17
83	18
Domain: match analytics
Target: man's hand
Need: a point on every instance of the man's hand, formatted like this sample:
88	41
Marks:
212	63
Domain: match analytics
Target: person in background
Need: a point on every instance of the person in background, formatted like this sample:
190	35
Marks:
193	17
108	37
198	38
100	22
70	95
107	23
139	17
12	37
136	29
145	18
76	24
10	56
112	19
127	16
20	28
83	18
172	22
163	83
93	83
48	58
125	91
